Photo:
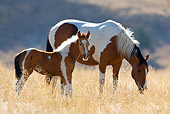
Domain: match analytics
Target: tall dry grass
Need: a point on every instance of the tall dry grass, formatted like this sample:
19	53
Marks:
37	98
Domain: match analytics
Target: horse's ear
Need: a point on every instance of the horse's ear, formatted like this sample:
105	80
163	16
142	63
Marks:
88	34
135	57
147	58
79	34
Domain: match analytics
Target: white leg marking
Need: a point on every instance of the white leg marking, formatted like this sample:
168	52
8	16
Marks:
62	89
68	90
101	81
102	77
115	81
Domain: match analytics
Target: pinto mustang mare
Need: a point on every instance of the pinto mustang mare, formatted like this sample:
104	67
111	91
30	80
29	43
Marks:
110	43
61	62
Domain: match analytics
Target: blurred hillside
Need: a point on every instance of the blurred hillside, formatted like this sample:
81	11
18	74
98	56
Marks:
25	23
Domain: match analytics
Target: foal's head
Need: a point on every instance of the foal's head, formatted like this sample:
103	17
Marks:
83	44
140	69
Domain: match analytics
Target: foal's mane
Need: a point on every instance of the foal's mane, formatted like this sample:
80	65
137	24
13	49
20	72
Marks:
67	43
126	42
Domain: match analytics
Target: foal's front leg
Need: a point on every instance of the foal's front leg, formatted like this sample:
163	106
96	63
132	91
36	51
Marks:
67	66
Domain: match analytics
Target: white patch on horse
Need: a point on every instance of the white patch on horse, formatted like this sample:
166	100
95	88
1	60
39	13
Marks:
66	44
49	57
23	62
63	67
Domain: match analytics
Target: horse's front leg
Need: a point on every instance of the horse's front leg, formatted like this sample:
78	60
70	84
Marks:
102	70
116	68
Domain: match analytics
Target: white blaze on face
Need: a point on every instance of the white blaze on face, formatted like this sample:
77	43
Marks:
85	49
85	42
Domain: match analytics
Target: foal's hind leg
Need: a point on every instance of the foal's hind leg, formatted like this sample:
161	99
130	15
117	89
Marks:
116	68
20	83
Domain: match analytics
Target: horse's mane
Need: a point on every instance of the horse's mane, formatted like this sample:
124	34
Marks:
67	43
126	42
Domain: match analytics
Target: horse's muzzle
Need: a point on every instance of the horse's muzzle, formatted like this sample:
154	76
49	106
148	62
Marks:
142	88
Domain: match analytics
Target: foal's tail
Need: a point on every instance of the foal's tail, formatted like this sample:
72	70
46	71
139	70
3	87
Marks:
18	70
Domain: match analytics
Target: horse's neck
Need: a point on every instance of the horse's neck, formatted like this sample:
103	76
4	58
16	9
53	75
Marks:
131	60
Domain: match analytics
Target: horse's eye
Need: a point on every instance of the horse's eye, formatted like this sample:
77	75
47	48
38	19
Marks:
80	44
139	71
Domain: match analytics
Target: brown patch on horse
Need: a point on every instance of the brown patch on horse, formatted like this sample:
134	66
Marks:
64	32
110	55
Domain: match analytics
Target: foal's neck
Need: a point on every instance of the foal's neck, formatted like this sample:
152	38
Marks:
74	51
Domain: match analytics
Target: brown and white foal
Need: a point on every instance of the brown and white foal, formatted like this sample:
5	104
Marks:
61	62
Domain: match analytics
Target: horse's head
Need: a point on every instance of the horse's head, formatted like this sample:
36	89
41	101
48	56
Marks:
140	69
83	44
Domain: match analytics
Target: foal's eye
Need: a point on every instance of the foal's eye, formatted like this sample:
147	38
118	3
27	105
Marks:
139	71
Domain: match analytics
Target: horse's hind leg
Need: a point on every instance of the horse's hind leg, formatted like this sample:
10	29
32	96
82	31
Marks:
116	68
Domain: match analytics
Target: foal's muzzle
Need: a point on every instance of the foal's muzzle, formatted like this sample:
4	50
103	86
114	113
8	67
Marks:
85	56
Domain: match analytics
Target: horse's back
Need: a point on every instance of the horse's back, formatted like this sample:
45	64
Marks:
101	33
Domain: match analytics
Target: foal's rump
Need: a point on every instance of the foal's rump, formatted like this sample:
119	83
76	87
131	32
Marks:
17	63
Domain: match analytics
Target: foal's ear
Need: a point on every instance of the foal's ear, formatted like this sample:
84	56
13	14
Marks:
79	34
88	34
147	58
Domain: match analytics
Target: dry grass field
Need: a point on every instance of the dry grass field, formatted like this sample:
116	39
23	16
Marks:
37	97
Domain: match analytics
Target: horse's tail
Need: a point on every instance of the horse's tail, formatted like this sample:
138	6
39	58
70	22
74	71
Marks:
48	46
18	70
